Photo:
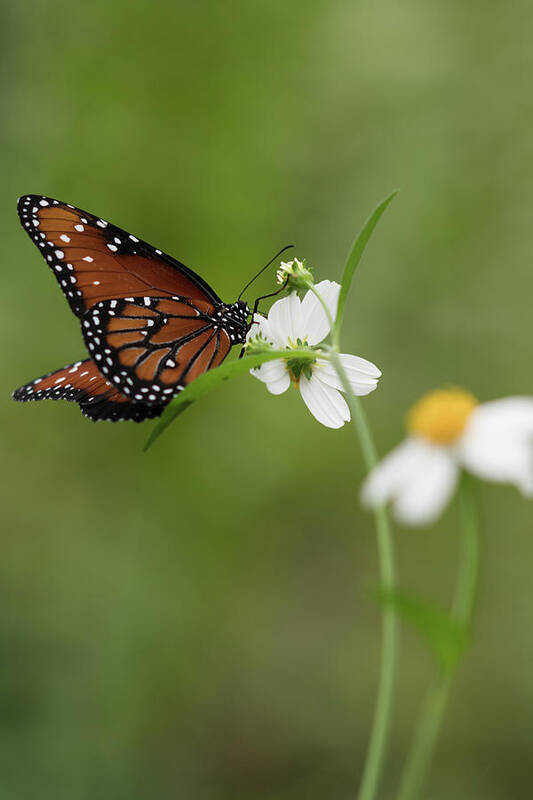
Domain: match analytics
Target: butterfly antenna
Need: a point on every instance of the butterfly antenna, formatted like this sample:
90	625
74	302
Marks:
287	246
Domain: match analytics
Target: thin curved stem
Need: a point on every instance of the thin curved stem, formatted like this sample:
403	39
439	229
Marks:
433	710
379	736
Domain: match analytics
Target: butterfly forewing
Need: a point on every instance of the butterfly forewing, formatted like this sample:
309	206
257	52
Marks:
84	384
94	260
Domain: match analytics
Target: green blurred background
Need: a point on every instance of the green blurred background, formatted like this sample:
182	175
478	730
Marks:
196	622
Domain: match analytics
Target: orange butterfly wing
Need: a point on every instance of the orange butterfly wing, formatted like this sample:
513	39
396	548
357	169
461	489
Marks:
151	324
94	260
83	383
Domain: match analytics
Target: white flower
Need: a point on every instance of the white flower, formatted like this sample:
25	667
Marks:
292	324
449	431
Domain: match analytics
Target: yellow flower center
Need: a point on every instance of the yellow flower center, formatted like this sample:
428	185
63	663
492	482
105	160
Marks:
441	416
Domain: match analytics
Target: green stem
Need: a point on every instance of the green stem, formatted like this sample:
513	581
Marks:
379	736
433	710
466	589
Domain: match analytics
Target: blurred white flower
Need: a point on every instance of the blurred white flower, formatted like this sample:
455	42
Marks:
449	431
293	324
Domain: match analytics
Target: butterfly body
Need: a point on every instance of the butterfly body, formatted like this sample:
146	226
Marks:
150	324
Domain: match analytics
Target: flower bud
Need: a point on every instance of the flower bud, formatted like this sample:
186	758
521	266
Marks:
295	274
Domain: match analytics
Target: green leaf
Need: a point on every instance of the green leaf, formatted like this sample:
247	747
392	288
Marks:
213	378
447	637
354	258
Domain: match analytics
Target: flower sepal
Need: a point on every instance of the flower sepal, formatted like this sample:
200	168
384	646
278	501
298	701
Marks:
298	367
257	344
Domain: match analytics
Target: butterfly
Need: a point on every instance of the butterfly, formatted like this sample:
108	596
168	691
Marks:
150	324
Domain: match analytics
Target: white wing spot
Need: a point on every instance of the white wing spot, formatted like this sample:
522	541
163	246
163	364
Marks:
88	258
79	228
65	238
112	247
96	283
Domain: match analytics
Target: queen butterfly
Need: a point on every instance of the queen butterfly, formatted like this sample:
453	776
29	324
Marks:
151	325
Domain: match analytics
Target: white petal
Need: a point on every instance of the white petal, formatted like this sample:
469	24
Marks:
260	326
417	476
362	374
313	319
423	501
510	414
270	370
497	444
274	374
255	329
326	404
393	471
279	385
284	319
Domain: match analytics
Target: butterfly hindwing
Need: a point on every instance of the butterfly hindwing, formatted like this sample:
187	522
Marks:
151	347
84	384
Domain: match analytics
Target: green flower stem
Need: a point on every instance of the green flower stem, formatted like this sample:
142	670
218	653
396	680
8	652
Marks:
379	737
433	710
466	589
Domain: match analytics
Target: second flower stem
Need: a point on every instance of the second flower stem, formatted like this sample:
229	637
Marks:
432	714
